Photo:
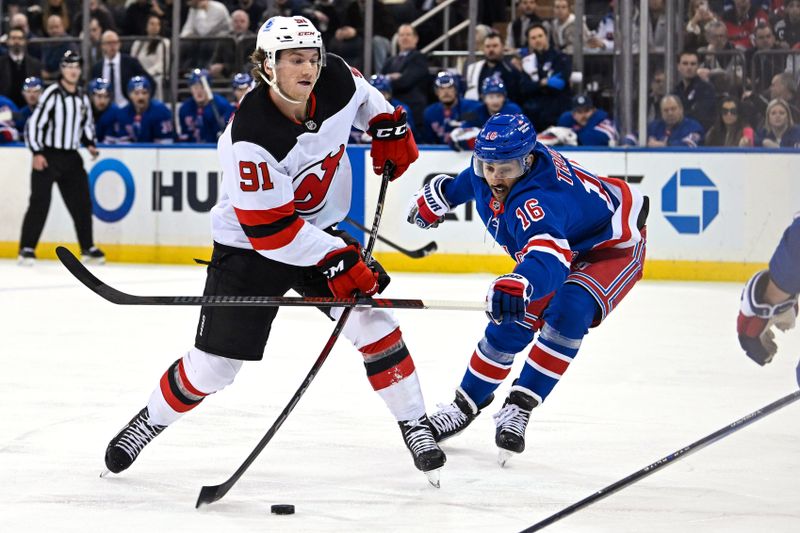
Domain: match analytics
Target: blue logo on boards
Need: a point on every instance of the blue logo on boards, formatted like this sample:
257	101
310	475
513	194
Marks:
100	170
709	195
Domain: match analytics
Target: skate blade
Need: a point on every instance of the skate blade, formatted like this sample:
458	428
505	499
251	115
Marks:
93	260
433	477
26	262
105	472
504	455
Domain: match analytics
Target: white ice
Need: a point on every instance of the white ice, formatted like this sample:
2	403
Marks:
663	371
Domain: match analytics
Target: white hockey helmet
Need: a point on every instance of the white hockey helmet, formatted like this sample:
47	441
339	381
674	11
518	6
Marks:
284	33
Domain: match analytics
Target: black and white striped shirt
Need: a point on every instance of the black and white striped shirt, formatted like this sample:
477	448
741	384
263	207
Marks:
61	120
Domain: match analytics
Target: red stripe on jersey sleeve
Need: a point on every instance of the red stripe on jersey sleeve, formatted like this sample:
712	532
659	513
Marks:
279	239
547	244
257	217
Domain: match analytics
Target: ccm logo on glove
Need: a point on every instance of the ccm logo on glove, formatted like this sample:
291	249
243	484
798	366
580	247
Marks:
392	141
347	273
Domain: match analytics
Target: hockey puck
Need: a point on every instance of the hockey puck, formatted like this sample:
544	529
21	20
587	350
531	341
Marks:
282	509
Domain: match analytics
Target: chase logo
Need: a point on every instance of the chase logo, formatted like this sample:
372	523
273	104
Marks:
696	183
108	169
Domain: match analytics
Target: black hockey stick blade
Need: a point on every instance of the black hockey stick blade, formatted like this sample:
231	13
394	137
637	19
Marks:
82	274
664	461
428	249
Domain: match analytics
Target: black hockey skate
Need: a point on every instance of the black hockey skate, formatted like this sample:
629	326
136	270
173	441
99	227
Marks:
511	422
26	257
93	255
452	419
125	447
428	457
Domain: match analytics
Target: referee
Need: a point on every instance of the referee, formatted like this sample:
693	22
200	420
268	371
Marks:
60	123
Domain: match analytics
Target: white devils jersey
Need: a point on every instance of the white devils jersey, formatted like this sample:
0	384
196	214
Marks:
284	181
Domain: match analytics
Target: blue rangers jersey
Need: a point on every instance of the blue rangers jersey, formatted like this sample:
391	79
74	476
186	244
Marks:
202	124
440	121
598	131
154	125
784	267
22	117
558	210
687	132
107	126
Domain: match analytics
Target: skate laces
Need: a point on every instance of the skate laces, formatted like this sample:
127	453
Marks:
449	417
418	436
512	418
137	435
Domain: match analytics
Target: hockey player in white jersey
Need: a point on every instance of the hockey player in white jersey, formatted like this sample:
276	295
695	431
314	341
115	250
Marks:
286	184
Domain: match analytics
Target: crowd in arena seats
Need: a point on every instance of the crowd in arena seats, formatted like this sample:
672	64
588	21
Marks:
736	76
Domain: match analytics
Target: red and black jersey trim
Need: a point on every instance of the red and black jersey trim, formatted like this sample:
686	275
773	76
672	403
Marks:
269	229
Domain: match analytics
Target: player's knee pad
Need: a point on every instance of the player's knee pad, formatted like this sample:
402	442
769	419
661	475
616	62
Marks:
369	326
209	373
509	338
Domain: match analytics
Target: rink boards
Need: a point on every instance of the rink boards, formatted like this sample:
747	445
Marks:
714	215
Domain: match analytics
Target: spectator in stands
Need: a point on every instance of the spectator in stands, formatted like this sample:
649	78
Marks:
697	96
741	22
544	88
95	36
658	89
384	85
673	128
492	64
719	58
700	15
254	9
8	128
106	114
203	116
517	34
450	112
17	65
153	54
229	58
241	84
592	126
787	29
40	18
31	91
98	11
765	65
657	27
117	68
207	18
783	86
564	27
137	16
408	72
145	119
348	38
53	52
779	130
729	129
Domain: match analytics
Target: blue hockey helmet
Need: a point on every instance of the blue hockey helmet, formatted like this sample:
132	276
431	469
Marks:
492	85
32	83
138	82
381	82
446	79
242	80
99	85
504	139
196	76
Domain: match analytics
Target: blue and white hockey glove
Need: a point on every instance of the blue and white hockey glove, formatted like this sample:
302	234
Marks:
429	206
756	319
507	299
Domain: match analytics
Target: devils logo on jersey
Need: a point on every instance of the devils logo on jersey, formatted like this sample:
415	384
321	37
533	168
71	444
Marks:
314	182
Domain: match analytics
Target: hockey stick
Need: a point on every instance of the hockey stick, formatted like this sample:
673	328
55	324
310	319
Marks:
115	296
414	254
661	463
212	493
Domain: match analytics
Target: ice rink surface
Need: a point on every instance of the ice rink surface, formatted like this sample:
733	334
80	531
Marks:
664	371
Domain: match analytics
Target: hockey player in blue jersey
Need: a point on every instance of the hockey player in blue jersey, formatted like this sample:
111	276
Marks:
32	89
145	119
579	244
241	83
204	115
449	113
105	112
770	299
592	126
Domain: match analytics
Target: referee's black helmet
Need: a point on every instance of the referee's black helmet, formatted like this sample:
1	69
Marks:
71	58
